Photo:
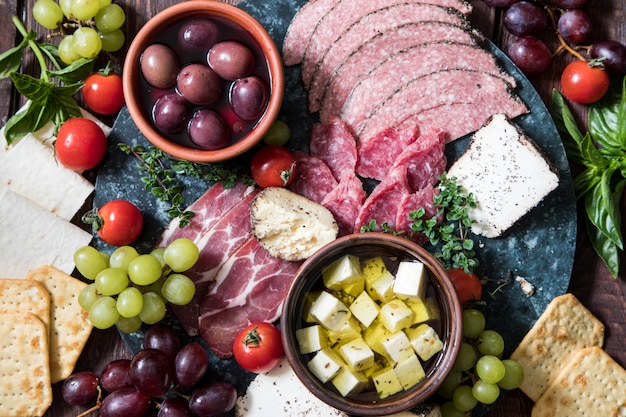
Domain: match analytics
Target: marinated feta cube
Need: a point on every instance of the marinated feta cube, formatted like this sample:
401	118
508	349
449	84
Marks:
344	272
381	289
395	315
329	311
409	371
357	354
349	382
423	310
373	268
364	309
425	341
325	364
397	346
374	336
386	382
311	339
411	280
348	330
309	299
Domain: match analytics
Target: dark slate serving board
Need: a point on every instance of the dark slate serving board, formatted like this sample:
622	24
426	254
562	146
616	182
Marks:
540	247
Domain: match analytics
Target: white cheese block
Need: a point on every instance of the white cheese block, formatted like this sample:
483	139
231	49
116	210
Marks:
357	354
348	330
381	289
397	346
311	339
411	280
344	272
386	382
395	315
409	371
325	364
31	236
349	382
507	174
329	311
425	341
364	309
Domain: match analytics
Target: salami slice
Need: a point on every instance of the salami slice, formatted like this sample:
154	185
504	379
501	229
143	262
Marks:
412	202
335	145
345	201
313	179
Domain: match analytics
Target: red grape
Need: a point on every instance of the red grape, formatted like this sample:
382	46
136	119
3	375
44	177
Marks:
80	388
174	407
574	26
213	399
568	4
191	364
127	402
525	18
151	372
116	375
530	54
614	54
499	3
164	338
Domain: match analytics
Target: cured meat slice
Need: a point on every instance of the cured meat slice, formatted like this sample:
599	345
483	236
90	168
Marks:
410	63
250	287
488	93
208	209
410	203
302	27
335	145
377	154
382	203
313	179
216	245
372	52
345	202
340	18
371	24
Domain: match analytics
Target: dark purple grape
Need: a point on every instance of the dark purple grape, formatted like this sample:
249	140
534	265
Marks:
164	338
614	54
208	130
199	84
116	375
152	372
159	66
171	113
126	402
174	407
574	26
530	54
191	364
80	388
249	97
213	399
198	34
525	18
231	60
499	3
568	4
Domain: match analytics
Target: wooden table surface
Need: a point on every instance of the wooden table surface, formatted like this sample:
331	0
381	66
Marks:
590	282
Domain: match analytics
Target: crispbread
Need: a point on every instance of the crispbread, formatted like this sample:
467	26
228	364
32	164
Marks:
591	384
25	388
25	296
70	326
565	327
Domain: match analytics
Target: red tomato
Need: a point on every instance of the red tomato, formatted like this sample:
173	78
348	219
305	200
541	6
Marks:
468	286
103	92
118	222
258	348
273	166
584	83
80	144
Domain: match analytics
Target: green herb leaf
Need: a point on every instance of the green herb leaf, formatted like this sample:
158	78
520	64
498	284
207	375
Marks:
607	121
75	72
11	59
602	209
567	128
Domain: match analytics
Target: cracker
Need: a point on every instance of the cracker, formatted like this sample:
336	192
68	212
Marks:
70	326
565	327
25	296
25	388
591	384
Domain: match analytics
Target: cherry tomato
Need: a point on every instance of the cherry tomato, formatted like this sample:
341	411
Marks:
118	222
258	348
103	92
583	82
273	166
468	286
80	144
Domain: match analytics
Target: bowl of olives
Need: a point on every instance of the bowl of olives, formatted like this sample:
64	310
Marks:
203	81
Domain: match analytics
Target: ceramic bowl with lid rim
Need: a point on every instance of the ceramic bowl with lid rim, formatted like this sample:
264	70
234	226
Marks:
195	9
367	245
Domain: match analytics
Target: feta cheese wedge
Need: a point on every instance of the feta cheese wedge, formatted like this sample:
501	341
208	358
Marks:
381	289
348	330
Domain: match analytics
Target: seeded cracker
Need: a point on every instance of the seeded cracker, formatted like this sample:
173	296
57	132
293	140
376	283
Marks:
25	389
564	328
592	384
70	326
25	296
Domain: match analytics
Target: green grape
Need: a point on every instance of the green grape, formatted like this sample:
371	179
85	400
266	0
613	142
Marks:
466	357
490	369
88	296
485	393
110	18
463	399
112	41
178	289
103	313
153	309
87	42
104	3
111	281
449	410
491	343
121	257
473	323
66	7
85	9
130	302
158	253
452	381
67	53
513	376
47	13
128	324
89	261
278	134
154	287
144	269
181	254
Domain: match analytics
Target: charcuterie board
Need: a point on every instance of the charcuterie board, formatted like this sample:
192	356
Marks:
539	248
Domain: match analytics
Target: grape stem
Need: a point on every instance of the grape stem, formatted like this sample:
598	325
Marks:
563	44
34	47
95	407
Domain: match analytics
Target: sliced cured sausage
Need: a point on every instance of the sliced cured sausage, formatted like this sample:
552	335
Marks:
313	179
334	144
377	154
345	201
410	203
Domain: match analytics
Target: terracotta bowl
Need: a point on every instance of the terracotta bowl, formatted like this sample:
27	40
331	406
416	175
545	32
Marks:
140	95
439	288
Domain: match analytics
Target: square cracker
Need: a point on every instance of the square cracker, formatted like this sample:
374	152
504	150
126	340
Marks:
70	326
591	384
564	328
25	388
25	296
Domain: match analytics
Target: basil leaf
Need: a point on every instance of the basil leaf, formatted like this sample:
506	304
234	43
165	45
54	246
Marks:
585	181
591	156
606	121
603	210
605	248
75	72
32	88
22	122
52	52
566	126
11	59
